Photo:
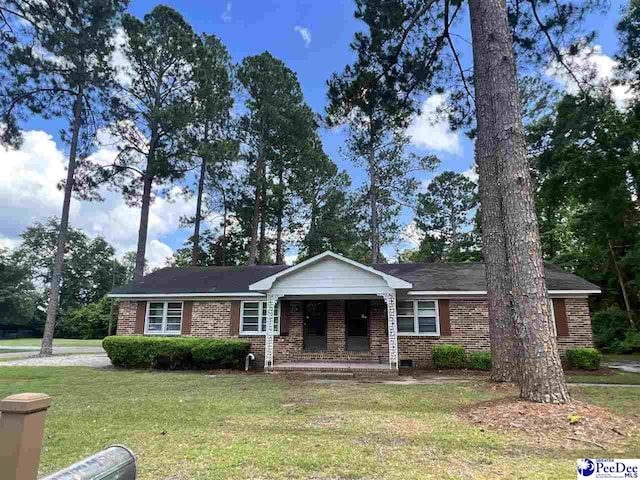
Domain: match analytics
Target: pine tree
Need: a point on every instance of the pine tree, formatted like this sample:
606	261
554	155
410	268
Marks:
152	110
277	121
212	126
59	66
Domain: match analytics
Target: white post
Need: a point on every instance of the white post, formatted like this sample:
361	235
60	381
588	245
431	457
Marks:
392	323
272	299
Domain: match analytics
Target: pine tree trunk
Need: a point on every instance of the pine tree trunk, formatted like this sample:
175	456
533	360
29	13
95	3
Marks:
46	348
255	220
279	246
195	252
504	345
144	224
541	375
224	228
262	251
373	200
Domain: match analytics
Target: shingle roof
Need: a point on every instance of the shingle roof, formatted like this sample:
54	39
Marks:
200	280
471	276
430	276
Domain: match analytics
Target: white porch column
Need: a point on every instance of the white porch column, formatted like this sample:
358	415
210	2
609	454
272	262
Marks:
272	299
392	323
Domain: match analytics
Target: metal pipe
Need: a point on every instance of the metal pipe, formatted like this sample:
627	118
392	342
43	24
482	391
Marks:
247	360
116	462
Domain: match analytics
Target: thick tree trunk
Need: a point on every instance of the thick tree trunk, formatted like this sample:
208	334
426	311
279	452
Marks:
255	220
373	200
141	251
46	348
504	345
541	375
195	253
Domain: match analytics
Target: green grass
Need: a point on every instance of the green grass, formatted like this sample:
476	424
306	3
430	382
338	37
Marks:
616	357
191	426
14	350
60	342
617	378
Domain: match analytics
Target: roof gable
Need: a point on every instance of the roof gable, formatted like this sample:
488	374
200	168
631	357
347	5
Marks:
329	270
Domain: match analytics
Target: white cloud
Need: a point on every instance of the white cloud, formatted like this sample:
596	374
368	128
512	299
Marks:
290	259
226	15
413	234
158	254
471	174
431	130
118	58
593	67
305	33
28	193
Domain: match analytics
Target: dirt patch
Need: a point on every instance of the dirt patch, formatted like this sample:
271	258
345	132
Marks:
574	425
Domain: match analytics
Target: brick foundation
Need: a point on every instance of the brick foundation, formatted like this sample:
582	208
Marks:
468	319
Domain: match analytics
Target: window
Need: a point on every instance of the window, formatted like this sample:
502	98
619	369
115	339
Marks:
253	318
164	318
418	317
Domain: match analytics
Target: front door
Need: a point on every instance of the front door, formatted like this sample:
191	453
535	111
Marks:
356	316
315	326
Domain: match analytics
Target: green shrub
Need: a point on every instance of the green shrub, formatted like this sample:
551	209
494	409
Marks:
610	330
174	353
631	342
479	361
448	356
583	358
90	321
220	353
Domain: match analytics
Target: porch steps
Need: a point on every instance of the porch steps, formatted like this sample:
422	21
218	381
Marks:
338	370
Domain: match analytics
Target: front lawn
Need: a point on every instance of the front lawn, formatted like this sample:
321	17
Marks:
59	342
617	377
191	426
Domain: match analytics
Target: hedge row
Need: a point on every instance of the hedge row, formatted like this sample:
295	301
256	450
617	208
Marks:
454	356
175	353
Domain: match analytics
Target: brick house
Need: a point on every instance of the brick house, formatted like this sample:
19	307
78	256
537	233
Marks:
333	309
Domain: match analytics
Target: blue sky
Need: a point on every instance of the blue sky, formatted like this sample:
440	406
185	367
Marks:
312	37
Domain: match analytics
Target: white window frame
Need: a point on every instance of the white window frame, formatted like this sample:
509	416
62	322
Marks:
416	332
554	329
262	313
165	307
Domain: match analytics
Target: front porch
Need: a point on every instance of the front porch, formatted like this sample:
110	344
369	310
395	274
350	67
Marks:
336	307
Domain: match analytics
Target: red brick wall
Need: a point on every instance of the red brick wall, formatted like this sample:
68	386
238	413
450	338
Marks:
469	328
579	320
126	318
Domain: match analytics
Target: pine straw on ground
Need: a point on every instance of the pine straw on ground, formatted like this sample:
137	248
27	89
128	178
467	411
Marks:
546	425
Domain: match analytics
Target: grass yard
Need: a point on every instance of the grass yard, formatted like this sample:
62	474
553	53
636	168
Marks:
60	342
191	426
14	350
617	357
618	378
